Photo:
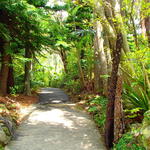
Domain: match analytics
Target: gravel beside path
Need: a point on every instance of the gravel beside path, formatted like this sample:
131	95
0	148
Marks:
52	126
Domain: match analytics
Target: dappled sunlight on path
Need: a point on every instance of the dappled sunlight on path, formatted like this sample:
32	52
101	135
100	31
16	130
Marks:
54	116
57	128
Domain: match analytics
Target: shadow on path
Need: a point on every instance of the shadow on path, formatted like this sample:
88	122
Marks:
52	96
57	128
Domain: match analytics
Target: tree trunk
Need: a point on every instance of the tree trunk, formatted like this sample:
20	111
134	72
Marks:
81	72
134	31
145	22
118	112
5	59
100	58
27	88
108	54
147	26
109	128
10	82
100	66
108	24
96	69
117	14
64	59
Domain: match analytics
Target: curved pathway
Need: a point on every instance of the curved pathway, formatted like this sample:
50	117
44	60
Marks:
53	126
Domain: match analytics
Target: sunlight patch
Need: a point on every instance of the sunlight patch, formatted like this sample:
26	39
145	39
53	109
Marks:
51	3
46	92
56	101
54	117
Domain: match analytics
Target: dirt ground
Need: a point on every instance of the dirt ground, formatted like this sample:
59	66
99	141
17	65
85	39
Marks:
11	106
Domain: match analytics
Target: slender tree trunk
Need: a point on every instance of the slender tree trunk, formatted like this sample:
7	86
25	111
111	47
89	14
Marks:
146	79
99	54
108	25
108	54
5	59
100	58
64	59
81	73
134	31
96	69
10	82
27	86
147	26
117	12
145	22
1	49
118	112
109	128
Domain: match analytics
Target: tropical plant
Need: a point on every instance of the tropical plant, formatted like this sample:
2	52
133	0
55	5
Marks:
97	106
128	141
139	99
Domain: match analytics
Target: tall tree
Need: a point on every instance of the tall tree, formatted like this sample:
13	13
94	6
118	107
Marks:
27	77
100	56
26	29
112	91
146	19
5	59
109	131
10	81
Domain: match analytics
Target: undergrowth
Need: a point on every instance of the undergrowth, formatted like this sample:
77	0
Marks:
128	142
1	147
97	107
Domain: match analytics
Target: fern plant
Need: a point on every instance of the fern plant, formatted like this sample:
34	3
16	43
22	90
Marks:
138	99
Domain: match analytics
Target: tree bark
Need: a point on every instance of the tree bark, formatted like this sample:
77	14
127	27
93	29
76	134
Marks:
108	54
27	78
5	59
117	14
10	82
64	59
96	69
134	26
100	66
118	112
100	58
147	26
109	128
145	21
81	72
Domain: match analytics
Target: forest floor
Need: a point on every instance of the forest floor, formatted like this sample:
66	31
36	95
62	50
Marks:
55	124
16	106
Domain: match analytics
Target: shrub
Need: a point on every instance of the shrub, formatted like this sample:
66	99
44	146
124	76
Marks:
1	147
97	106
128	142
138	99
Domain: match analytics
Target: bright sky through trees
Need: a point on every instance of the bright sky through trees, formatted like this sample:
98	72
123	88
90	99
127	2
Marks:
55	2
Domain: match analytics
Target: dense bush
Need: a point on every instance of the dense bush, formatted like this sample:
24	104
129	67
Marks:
128	142
97	106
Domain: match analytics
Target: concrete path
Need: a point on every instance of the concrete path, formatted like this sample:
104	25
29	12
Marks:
56	126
